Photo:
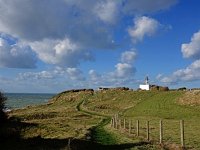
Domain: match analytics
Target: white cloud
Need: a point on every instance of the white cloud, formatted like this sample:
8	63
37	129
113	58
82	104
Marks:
190	73
124	70
159	76
192	49
68	73
87	25
128	56
78	19
35	75
60	52
143	26
16	55
49	19
122	75
107	11
75	74
94	76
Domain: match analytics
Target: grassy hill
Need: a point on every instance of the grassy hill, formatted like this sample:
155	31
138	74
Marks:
83	117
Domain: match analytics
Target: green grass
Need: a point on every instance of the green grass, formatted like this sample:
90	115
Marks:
163	105
152	106
77	115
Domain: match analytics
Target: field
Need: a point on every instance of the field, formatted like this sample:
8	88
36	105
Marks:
83	118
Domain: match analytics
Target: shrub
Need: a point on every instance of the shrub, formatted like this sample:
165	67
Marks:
163	88
154	88
2	106
182	89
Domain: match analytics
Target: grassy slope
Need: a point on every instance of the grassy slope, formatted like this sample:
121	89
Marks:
152	106
61	118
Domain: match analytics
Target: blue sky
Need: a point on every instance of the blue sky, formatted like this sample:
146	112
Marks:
51	46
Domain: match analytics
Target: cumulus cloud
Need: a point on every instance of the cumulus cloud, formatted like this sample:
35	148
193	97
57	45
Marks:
190	73
16	55
60	52
94	76
49	19
124	70
143	26
107	11
68	73
192	49
37	20
87	25
36	75
122	75
128	56
75	74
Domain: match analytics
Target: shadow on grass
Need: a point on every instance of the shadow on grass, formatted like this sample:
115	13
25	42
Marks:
39	143
10	139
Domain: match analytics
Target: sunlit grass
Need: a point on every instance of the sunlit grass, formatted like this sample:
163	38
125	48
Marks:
70	115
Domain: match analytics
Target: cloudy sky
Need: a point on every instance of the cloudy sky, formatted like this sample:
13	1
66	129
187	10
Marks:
53	45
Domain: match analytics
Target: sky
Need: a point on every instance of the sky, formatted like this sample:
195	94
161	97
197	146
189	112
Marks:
49	46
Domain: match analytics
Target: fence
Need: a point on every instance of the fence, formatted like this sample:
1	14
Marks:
134	128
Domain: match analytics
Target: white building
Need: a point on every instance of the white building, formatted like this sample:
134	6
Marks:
146	85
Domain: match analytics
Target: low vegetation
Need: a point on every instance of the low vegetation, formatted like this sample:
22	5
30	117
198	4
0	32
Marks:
83	118
2	102
191	98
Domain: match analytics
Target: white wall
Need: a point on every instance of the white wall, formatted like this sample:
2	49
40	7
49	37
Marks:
145	87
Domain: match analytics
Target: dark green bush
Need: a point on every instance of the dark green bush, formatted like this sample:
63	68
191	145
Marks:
2	106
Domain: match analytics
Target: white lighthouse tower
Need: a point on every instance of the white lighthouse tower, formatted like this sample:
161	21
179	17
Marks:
146	85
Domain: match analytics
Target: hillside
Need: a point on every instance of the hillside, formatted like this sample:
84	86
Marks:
84	118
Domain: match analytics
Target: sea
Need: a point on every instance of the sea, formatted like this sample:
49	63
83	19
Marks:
21	100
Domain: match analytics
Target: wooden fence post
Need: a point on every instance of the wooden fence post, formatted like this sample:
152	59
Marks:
129	126
114	124
161	131
138	127
124	123
115	121
120	124
182	134
147	130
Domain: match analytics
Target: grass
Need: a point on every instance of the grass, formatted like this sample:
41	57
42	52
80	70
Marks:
82	115
152	106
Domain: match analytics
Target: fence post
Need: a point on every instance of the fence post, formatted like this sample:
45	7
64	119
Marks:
124	123
120	125
138	127
116	122
161	131
129	126
114	125
182	134
147	130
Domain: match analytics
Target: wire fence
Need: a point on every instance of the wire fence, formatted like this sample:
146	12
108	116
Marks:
159	131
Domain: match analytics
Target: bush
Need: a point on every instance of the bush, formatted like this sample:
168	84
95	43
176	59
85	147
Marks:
161	88
2	106
182	89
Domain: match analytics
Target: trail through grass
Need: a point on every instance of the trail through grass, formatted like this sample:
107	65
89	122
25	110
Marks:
72	114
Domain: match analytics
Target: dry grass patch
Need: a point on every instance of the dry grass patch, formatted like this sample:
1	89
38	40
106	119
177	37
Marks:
191	98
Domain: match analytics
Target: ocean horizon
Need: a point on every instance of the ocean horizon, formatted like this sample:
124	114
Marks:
21	100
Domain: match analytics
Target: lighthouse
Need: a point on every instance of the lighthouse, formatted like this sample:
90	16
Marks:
146	85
